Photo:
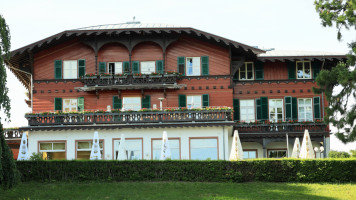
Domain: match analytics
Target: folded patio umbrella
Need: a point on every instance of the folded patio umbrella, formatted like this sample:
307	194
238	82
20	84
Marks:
95	150
165	151
236	148
23	152
307	150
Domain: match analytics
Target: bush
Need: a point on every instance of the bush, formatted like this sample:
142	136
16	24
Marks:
282	170
353	153
338	154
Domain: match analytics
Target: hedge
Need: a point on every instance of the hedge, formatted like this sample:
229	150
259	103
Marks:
284	170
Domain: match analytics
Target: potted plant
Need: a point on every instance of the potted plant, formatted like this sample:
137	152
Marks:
137	75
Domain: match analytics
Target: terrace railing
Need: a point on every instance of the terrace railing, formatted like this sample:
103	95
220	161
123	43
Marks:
128	117
282	127
13	133
130	80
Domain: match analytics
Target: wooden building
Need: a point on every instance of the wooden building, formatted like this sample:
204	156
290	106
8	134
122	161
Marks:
140	79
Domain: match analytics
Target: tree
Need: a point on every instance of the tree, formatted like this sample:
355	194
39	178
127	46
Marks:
339	84
9	175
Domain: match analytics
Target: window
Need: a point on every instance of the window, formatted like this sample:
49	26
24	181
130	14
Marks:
246	71
173	146
131	103
276	110
303	70
53	150
70	105
305	110
247	110
115	68
193	66
83	149
277	153
133	149
70	68
249	154
147	67
194	102
203	148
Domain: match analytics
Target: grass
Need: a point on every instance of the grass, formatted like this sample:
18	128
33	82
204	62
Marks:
179	190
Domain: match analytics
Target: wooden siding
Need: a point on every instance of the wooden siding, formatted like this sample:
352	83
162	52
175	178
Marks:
219	60
71	50
113	52
147	51
275	71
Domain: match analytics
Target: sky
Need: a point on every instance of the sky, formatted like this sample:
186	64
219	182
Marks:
279	24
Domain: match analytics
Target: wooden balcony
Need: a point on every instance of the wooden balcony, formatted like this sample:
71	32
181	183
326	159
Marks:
13	133
282	128
139	117
166	81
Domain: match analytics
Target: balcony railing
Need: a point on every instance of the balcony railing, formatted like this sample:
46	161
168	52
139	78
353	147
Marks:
13	133
130	80
282	127
128	117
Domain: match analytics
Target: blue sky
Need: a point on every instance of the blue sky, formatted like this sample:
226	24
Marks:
279	24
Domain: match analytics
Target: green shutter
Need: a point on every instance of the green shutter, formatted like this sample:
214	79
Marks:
81	104
264	108
291	69
182	101
259	74
159	66
81	64
205	100
316	107
126	65
116	102
58	104
258	109
181	65
288	107
316	69
236	105
205	65
102	67
135	67
58	69
294	108
146	102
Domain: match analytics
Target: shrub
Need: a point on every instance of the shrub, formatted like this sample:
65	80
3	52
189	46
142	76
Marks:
338	154
353	153
281	170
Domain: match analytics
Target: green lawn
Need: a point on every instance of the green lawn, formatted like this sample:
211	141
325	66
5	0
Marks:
179	190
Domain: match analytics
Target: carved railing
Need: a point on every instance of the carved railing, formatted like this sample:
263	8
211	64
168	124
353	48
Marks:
130	80
282	127
128	117
13	133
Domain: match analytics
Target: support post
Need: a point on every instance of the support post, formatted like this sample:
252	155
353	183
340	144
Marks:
287	145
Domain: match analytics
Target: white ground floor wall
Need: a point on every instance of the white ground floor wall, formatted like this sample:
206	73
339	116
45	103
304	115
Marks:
187	138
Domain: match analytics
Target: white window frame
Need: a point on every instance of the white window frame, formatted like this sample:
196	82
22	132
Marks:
53	150
71	71
191	104
276	110
143	66
91	145
196	68
210	147
118	66
278	150
305	110
160	147
252	116
70	106
248	153
125	103
116	142
310	68
246	72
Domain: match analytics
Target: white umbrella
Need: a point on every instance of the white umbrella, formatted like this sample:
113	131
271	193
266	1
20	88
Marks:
165	151
307	147
296	148
122	149
95	150
23	152
236	148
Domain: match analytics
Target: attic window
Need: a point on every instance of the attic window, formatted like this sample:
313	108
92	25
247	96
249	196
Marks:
246	71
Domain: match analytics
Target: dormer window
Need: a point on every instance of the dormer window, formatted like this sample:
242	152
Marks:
303	70
246	71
